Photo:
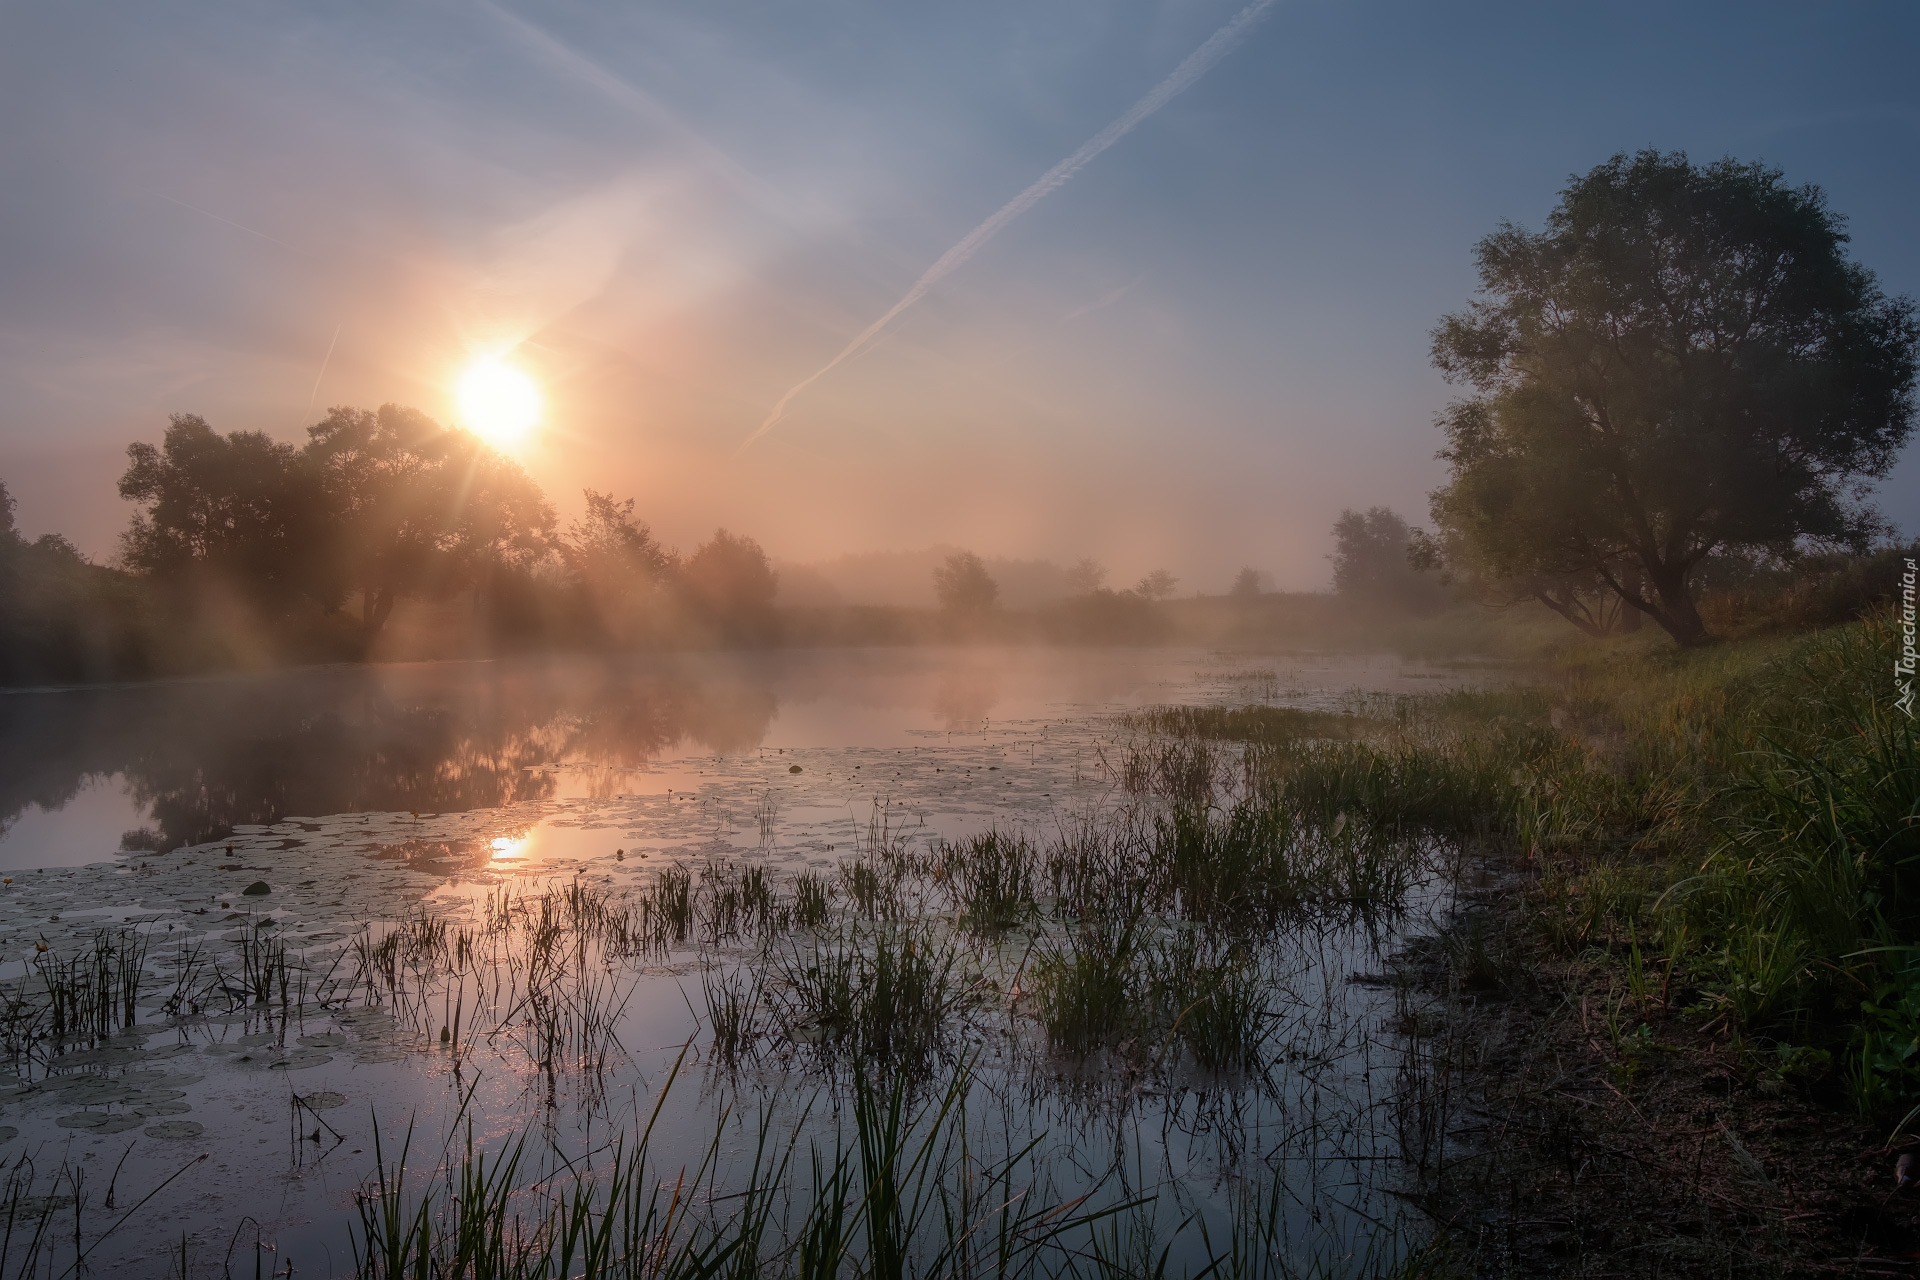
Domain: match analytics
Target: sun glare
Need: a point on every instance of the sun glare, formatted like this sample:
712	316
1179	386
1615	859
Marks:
498	402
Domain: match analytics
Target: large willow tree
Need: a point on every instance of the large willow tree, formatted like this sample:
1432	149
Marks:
1684	361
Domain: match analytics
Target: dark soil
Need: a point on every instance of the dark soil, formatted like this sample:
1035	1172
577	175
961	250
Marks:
1593	1134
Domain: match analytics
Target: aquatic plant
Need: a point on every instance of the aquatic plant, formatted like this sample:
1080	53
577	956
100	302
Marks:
882	994
989	880
95	992
906	1193
812	900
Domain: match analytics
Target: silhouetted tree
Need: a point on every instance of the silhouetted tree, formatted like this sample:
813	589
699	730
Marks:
414	506
1375	559
242	506
615	561
1246	585
1086	576
963	586
1158	585
61	617
732	585
1685	361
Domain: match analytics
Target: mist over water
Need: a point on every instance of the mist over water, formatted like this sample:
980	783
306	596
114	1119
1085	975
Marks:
379	807
189	760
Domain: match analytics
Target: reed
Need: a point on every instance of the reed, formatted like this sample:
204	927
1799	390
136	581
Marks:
989	881
905	1194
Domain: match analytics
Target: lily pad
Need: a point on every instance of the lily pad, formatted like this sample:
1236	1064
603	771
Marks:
175	1129
162	1109
324	1100
299	1060
64	1084
8	1133
98	1122
101	1057
379	1055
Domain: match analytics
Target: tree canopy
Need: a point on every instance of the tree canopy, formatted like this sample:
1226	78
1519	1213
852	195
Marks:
381	502
1374	560
732	585
1684	361
239	505
963	586
1157	585
413	505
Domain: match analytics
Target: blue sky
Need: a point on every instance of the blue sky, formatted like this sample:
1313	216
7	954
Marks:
1192	355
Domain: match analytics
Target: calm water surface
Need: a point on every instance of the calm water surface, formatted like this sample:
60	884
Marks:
360	795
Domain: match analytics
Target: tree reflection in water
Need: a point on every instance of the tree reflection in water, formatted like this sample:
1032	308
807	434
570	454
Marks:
205	756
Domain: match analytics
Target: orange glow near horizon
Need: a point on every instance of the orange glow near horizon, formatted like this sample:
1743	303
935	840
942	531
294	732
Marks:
498	402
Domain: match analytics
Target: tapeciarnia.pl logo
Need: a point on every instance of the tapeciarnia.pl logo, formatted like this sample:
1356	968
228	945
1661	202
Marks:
1903	664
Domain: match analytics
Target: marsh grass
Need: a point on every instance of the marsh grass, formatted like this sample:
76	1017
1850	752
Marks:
882	994
1263	725
96	992
989	880
903	1187
1117	983
1742	822
1090	981
812	900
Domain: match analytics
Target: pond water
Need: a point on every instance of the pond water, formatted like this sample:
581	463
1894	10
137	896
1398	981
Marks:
248	844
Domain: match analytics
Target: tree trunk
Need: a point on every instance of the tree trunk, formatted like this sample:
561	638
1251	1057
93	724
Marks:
1571	612
1630	614
375	607
1675	611
1671	603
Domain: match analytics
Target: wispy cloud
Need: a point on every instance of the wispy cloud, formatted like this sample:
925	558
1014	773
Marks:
623	93
1196	65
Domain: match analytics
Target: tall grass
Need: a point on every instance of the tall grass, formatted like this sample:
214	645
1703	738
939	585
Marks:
989	881
906	1193
1745	818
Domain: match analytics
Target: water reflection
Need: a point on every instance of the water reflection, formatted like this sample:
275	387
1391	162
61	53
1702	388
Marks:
190	761
201	758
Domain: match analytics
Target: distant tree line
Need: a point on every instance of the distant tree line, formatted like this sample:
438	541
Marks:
381	505
245	548
1681	389
1091	613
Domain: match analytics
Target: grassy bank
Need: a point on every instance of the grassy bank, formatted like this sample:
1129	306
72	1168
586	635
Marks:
1677	1026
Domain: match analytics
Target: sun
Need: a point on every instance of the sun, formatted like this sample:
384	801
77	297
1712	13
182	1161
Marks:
498	402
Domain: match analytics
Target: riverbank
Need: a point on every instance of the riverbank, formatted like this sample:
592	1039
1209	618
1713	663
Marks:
1673	1028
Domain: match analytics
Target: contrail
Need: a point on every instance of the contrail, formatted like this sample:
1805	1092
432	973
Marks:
1197	64
237	226
1104	300
327	360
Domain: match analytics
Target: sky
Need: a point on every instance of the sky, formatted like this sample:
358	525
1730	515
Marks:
1193	353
